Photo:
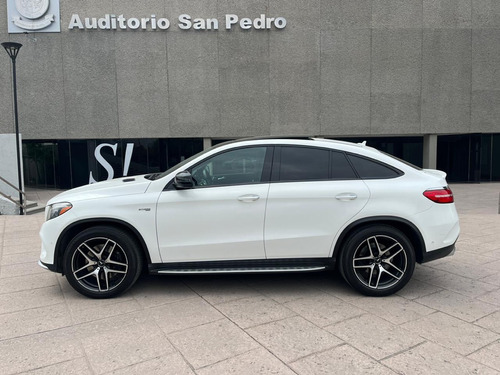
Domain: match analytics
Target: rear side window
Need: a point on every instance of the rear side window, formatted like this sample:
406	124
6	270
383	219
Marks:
340	167
304	164
370	169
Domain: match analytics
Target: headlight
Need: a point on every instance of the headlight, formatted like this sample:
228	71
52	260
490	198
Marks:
57	209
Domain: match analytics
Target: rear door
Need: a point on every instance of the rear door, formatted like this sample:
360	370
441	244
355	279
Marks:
313	193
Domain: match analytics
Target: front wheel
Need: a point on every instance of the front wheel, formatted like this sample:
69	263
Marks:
102	262
377	260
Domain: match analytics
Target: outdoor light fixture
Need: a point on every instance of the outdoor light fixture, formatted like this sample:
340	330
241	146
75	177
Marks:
12	49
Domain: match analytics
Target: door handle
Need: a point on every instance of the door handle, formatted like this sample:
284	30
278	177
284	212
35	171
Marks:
346	196
248	198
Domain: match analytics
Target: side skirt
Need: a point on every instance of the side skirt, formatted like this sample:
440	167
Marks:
244	266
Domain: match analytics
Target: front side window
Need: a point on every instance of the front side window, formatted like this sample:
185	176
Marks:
242	166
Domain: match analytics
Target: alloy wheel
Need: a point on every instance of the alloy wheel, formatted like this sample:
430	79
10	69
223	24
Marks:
99	264
379	262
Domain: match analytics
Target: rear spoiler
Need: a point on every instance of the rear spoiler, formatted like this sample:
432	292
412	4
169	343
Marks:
435	172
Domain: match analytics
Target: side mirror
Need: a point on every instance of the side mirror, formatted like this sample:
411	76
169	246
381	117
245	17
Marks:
183	180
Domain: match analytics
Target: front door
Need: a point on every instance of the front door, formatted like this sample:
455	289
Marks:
222	217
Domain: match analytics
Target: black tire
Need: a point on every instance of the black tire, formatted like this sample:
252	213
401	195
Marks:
377	260
102	262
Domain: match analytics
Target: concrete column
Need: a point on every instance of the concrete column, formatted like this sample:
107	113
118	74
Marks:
207	143
8	171
430	151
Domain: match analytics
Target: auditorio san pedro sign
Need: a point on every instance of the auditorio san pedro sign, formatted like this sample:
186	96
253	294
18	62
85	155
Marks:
44	16
185	22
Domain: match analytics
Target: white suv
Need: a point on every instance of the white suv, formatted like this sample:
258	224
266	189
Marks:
258	205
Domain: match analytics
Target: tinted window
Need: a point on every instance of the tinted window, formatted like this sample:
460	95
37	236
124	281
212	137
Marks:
242	166
304	164
371	169
340	167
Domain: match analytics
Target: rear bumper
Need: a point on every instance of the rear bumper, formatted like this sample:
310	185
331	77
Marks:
438	253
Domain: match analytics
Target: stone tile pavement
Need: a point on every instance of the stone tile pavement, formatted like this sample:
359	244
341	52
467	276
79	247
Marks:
446	321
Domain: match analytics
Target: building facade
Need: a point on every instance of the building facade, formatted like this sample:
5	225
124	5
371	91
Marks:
126	87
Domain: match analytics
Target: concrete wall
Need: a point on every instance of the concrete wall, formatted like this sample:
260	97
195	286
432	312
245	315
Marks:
340	67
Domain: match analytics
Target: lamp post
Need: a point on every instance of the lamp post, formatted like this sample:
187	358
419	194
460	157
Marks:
12	49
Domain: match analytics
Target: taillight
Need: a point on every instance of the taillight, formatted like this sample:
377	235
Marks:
443	195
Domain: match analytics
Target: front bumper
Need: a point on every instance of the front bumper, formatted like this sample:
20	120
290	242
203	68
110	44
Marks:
50	267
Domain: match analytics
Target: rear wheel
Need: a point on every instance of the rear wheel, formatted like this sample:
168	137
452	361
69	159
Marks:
102	262
377	260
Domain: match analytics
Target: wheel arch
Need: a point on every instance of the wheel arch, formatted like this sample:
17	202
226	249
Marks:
71	230
405	226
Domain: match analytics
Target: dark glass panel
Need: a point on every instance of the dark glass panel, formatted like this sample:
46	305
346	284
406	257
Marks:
486	157
475	157
180	149
64	166
304	164
340	167
453	157
242	166
371	169
80	157
495	157
40	161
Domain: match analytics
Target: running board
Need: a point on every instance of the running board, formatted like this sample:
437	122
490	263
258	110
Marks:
243	266
240	270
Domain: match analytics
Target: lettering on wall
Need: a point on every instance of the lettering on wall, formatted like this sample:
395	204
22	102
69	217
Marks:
106	165
44	16
185	22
